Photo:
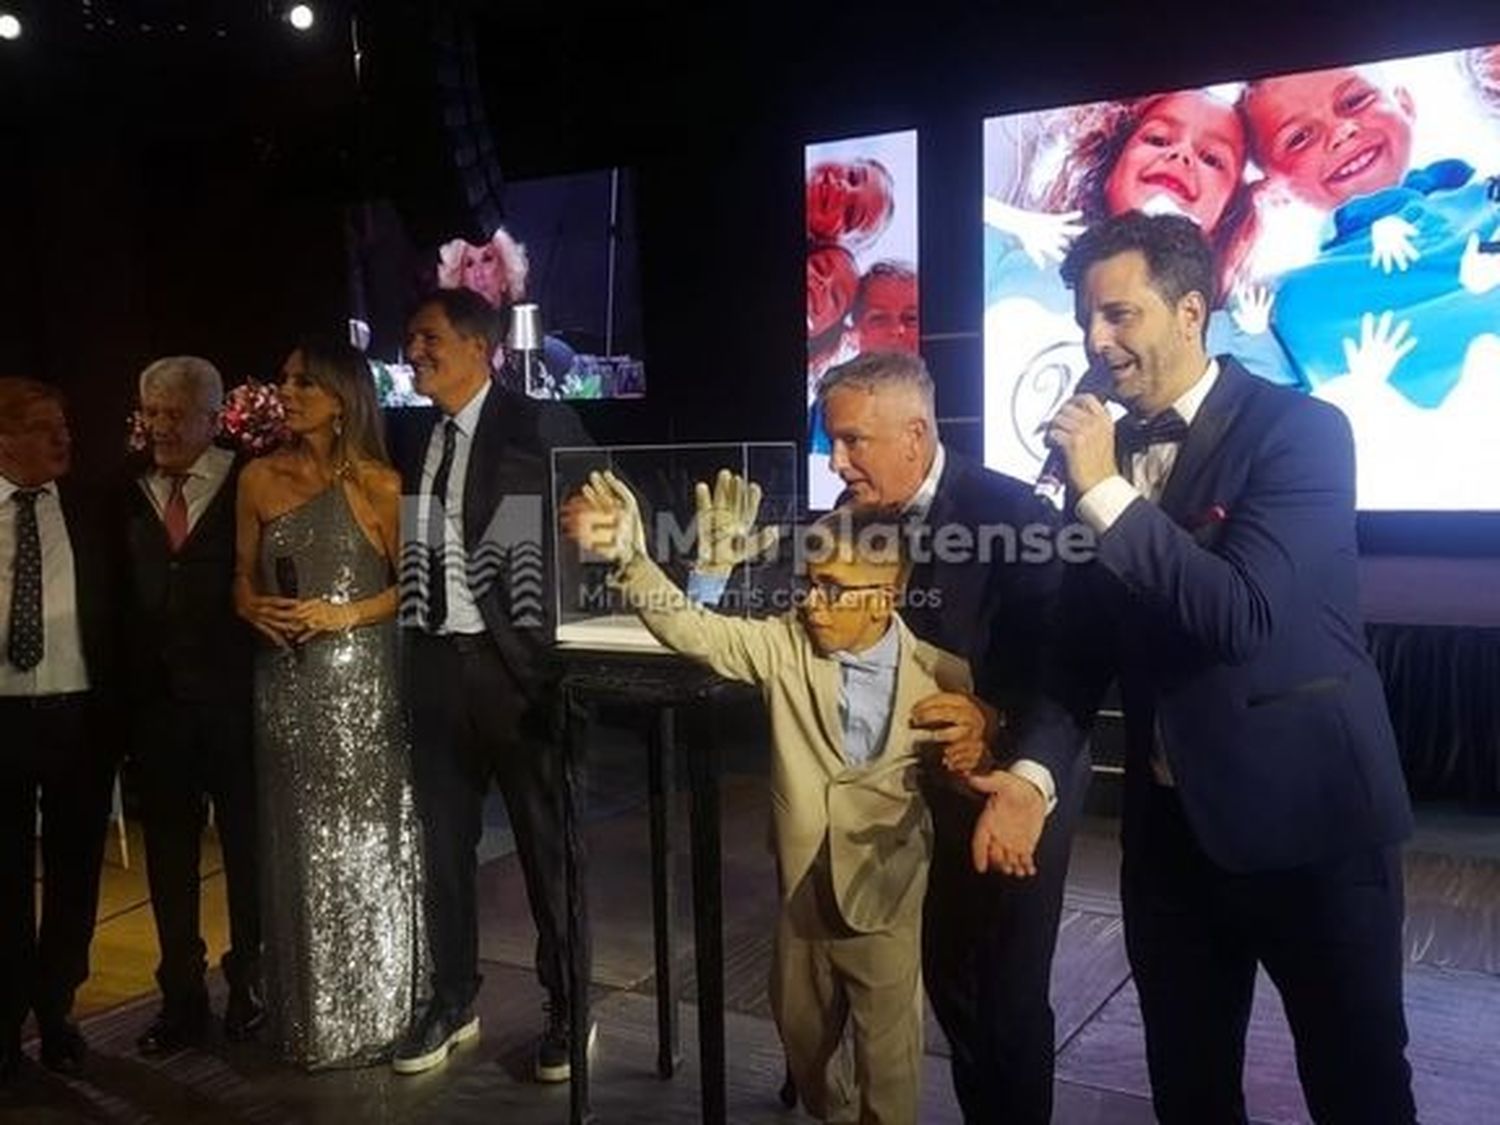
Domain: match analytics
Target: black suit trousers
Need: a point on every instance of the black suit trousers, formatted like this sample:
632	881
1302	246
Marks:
1329	937
987	945
51	760
185	754
472	726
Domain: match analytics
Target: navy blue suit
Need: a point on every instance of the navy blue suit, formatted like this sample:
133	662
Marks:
1229	614
987	940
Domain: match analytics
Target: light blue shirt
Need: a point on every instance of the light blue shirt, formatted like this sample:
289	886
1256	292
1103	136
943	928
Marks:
867	693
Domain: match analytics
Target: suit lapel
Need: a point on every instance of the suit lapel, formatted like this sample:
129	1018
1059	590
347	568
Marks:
906	689
1203	437
824	671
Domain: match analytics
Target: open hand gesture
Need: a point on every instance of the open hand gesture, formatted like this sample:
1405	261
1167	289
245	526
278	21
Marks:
604	518
725	519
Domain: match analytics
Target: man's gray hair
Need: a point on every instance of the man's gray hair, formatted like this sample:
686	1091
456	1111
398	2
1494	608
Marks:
185	372
875	371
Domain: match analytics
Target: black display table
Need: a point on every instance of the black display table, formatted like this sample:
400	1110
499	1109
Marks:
664	686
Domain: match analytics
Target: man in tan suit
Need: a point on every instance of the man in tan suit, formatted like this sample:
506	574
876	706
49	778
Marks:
852	832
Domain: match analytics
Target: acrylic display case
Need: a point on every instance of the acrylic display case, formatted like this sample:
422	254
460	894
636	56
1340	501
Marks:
590	613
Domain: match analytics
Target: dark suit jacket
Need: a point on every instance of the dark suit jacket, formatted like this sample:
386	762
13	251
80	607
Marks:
508	517
995	614
96	573
184	640
1229	613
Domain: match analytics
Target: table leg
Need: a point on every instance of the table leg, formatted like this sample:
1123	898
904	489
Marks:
708	919
661	752
576	735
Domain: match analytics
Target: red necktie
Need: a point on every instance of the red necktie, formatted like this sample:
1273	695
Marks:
174	516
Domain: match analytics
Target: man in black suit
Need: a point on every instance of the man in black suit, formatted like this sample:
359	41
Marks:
1264	800
57	605
987	940
190	683
477	612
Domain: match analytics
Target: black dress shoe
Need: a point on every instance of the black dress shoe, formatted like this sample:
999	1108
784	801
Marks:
245	1013
63	1049
172	1031
437	1031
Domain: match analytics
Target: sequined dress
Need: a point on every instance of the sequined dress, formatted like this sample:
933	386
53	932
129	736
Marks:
339	836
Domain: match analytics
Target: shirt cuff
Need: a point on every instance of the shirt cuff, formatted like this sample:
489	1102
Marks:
1039	775
1103	504
706	589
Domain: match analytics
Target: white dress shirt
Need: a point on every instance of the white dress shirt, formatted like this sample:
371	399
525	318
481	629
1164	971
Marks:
921	500
203	479
463	613
62	668
1103	504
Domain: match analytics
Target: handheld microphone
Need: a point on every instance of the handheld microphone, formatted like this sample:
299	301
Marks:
1052	482
286	586
286	576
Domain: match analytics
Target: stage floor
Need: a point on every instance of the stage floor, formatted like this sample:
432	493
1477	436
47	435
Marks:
1453	997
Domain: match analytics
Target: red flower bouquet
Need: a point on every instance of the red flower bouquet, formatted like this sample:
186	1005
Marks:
253	418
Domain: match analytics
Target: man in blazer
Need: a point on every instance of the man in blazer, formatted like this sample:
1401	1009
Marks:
57	662
1264	798
190	689
840	677
987	940
477	614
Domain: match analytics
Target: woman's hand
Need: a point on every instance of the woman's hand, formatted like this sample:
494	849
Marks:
273	618
315	616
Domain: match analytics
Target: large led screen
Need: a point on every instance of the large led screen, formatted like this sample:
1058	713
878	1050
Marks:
861	267
1355	215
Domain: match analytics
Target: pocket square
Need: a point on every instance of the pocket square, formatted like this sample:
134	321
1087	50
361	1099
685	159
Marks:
1213	514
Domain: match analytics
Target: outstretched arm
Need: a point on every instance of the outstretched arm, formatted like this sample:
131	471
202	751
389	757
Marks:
604	518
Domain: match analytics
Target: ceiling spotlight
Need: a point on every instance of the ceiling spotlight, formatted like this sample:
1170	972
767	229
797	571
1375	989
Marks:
300	16
10	26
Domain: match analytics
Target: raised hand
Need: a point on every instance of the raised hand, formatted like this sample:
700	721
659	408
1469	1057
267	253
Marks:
1391	244
1006	834
1479	270
1379	348
725	521
1252	309
1044	236
604	518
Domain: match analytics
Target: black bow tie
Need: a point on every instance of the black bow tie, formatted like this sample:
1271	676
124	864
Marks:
1167	428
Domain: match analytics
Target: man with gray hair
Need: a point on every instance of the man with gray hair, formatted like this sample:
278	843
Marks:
987	940
190	680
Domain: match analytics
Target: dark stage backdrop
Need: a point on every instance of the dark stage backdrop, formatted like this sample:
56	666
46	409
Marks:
185	191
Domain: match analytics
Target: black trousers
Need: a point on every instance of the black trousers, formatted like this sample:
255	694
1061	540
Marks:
471	726
1329	936
50	756
185	754
987	945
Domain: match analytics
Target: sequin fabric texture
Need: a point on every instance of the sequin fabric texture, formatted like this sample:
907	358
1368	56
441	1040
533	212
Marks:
340	851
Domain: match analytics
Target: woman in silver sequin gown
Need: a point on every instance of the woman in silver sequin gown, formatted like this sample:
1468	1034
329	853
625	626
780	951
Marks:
318	528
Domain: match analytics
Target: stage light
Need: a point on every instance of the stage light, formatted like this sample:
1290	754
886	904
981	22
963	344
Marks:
300	16
10	26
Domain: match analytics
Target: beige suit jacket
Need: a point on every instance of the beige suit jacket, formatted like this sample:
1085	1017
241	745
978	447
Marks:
872	817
